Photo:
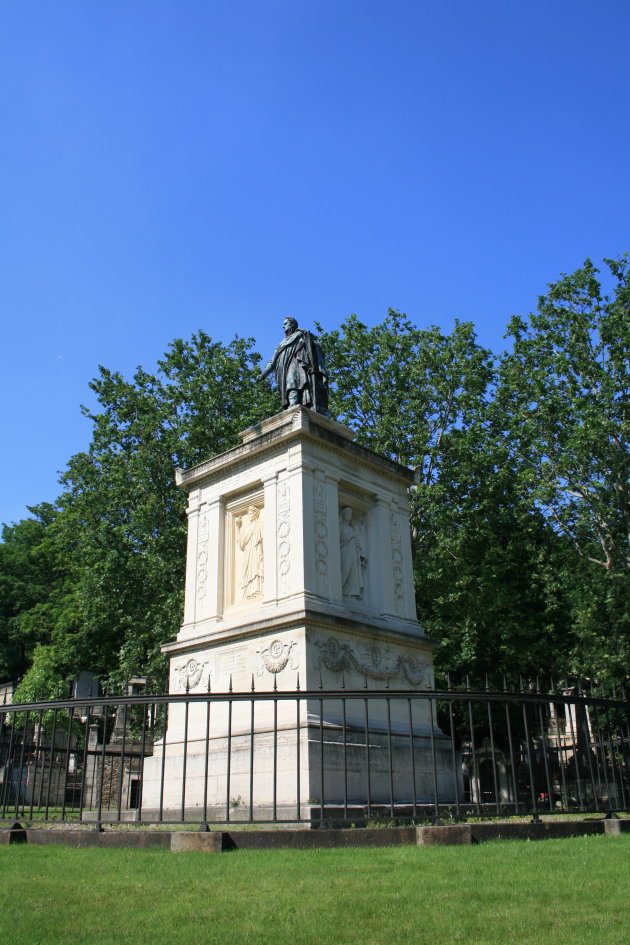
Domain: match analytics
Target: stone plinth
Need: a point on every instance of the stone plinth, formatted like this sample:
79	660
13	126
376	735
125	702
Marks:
299	572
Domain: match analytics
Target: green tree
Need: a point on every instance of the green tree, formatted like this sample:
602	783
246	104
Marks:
563	412
485	566
519	511
34	595
404	389
46	676
564	398
122	522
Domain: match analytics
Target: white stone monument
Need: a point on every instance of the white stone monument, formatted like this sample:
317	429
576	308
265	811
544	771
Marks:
299	570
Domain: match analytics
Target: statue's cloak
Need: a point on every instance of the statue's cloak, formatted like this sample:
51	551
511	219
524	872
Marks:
299	365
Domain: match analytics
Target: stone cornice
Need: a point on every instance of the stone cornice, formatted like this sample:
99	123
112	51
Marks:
295	424
311	619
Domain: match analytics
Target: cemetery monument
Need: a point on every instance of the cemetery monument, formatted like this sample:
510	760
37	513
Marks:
298	571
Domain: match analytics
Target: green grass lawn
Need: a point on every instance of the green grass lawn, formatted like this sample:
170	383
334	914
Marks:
564	892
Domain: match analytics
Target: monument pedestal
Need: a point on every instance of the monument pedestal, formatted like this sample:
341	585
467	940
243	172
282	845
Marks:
299	575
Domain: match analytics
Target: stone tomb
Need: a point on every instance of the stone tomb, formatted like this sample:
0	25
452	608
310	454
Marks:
298	570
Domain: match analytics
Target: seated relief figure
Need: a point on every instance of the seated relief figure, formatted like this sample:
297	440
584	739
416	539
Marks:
301	374
353	560
249	539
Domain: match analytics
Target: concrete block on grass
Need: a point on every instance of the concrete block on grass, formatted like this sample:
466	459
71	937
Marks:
183	841
614	828
444	836
15	834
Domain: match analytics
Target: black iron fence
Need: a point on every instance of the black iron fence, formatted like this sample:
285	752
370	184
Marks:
315	756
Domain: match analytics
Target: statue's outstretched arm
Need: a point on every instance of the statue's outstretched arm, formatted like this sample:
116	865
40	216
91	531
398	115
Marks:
267	370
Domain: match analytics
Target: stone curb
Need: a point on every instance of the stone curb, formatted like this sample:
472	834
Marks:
216	841
320	839
92	838
481	833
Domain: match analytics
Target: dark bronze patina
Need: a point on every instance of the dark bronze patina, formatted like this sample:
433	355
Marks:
301	374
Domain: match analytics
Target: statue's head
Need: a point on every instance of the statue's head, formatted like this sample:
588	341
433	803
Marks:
253	512
289	324
346	515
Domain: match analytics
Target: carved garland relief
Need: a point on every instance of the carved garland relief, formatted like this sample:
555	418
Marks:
397	562
321	536
202	557
189	674
275	657
284	535
373	662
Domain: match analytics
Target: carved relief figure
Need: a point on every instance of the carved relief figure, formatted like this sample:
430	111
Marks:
249	539
353	560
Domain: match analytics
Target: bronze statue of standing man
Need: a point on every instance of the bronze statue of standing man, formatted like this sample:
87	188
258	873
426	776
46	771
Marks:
301	374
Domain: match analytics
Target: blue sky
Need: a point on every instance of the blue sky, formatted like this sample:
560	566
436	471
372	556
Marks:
170	166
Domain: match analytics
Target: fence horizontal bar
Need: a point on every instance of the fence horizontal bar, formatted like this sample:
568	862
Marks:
440	695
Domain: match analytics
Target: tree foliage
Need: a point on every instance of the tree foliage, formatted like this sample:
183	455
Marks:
562	411
404	389
565	406
35	596
484	561
121	523
519	511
